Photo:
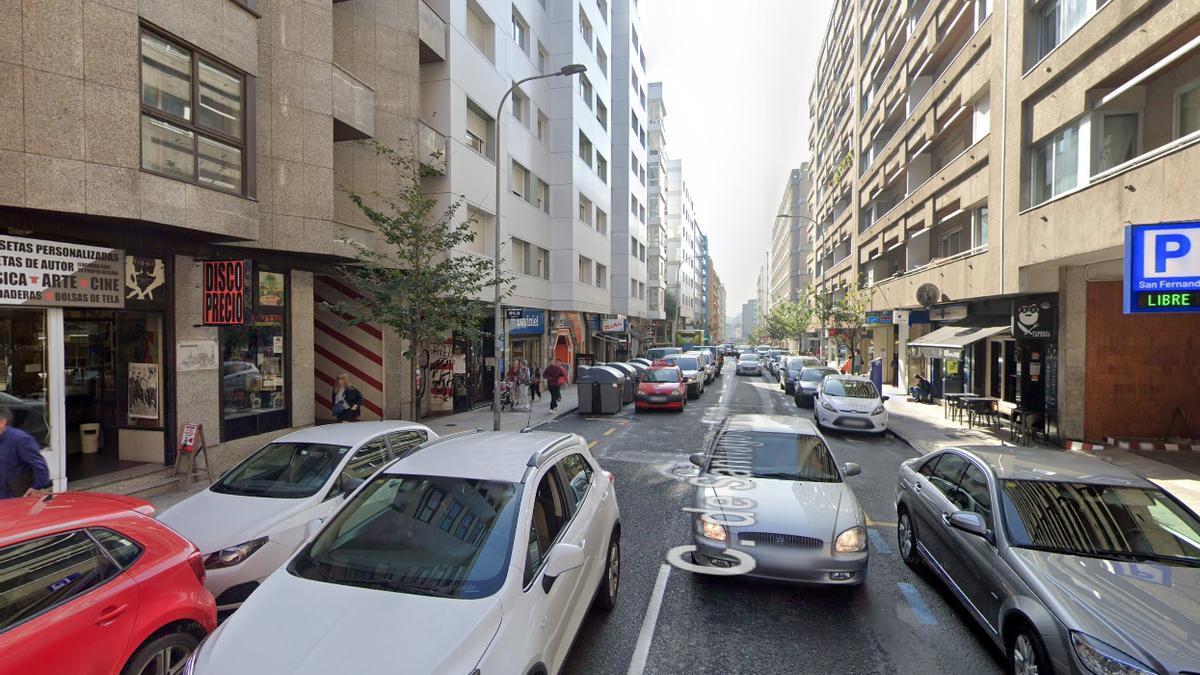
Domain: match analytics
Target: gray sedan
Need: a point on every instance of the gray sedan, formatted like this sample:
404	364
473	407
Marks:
772	502
1070	564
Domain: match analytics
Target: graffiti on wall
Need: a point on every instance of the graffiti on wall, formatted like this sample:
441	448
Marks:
441	376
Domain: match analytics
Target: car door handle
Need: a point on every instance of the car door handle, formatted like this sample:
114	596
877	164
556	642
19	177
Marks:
946	518
111	614
916	487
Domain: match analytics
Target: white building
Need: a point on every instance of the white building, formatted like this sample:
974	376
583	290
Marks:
683	247
656	207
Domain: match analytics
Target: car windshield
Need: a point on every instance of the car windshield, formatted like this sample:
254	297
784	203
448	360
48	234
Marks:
283	470
661	375
425	535
815	374
851	389
687	362
1104	521
795	363
748	357
773	455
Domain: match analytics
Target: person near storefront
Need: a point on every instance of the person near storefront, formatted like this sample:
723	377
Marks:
347	400
555	376
535	383
522	381
23	470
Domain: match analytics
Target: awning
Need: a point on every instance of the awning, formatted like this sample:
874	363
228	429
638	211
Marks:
954	338
605	338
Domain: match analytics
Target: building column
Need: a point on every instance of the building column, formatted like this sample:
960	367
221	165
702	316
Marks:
900	318
1072	350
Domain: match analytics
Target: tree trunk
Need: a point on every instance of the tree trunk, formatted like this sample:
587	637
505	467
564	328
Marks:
412	382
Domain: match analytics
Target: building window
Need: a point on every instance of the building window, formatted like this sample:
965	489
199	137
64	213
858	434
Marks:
543	127
633	246
602	167
520	31
633	204
254	370
520	107
602	113
602	59
641	213
636	44
542	198
585	270
481	30
979	226
1057	19
633	288
585	27
543	59
481	131
951	243
586	90
585	210
642	252
602	222
603	7
585	149
530	260
1187	109
601	276
518	181
1055	164
1120	135
193	116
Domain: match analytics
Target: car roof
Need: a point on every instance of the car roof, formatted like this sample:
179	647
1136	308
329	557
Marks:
489	455
773	424
849	378
1018	463
25	518
350	434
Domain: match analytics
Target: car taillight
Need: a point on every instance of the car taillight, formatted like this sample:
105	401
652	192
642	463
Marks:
196	562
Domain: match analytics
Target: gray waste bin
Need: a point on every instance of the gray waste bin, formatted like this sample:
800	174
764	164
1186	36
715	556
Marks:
600	390
640	368
631	380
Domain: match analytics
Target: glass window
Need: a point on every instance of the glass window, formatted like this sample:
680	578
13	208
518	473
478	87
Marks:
479	30
220	106
1188	110
167	148
1118	139
542	198
403	442
386	538
367	460
601	276
543	59
549	520
283	470
946	474
520	31
23	370
543	126
38	575
122	549
585	149
973	494
850	388
519	181
585	210
254	367
979	227
450	515
927	468
166	76
602	167
781	456
1055	164
480	131
520	108
578	474
601	222
220	165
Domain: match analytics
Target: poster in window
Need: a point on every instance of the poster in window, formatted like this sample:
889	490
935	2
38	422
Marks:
270	289
145	278
143	391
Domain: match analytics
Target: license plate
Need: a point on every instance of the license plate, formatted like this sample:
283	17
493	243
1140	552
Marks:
851	422
657	399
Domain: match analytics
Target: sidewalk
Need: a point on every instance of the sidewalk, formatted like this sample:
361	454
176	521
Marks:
924	427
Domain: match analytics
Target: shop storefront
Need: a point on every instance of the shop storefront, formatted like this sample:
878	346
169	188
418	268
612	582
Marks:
568	339
527	334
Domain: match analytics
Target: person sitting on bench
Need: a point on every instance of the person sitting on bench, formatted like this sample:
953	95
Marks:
922	391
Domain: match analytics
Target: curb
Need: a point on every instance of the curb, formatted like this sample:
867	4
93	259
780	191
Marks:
1153	445
1087	448
555	418
910	444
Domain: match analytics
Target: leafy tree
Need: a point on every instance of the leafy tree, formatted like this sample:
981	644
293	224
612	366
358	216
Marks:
845	316
412	279
788	321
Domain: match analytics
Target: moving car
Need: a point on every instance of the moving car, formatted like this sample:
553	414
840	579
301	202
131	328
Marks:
805	387
661	352
807	523
91	583
1068	563
479	553
253	517
661	387
742	349
850	402
748	364
693	369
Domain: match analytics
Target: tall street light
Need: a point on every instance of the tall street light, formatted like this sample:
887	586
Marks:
500	334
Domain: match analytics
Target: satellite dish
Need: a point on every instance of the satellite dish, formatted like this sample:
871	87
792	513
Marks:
927	295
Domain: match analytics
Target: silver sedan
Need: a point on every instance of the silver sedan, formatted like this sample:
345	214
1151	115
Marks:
771	502
1068	563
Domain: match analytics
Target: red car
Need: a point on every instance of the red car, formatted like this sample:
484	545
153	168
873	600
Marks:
90	584
662	388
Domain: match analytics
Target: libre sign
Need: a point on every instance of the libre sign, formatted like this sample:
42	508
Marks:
1162	268
224	292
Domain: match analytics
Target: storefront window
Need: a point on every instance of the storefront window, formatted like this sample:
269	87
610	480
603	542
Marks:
254	367
23	364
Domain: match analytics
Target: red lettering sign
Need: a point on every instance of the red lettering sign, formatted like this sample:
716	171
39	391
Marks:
224	292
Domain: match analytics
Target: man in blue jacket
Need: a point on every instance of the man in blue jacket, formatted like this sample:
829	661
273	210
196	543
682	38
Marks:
23	471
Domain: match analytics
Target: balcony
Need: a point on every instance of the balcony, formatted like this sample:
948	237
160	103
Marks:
431	30
353	107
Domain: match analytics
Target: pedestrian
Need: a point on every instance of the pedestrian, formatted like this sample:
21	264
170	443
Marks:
523	377
347	401
535	382
23	470
555	376
922	390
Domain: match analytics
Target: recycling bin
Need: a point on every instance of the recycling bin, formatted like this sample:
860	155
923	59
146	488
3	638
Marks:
600	390
631	380
640	368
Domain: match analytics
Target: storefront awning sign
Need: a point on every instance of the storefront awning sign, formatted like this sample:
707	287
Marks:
526	322
953	339
1162	268
224	292
57	274
614	326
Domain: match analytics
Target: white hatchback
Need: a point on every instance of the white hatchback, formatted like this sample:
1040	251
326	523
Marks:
253	517
851	403
478	553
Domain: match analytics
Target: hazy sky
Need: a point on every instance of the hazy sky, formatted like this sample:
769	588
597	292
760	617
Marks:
736	78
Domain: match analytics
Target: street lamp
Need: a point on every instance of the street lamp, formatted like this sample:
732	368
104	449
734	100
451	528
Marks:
500	335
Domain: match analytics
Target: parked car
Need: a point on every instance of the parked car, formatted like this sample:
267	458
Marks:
693	370
775	360
742	349
850	402
253	517
749	364
808	525
710	363
718	354
661	388
480	553
91	583
805	386
1068	563
789	371
662	352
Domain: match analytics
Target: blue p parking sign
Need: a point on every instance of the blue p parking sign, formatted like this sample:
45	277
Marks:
1162	268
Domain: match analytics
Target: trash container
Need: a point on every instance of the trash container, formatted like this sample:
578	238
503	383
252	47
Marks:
644	361
631	380
640	368
600	390
89	437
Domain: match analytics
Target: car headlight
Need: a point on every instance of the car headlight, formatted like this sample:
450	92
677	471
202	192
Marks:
878	410
825	405
234	555
853	540
1104	659
711	530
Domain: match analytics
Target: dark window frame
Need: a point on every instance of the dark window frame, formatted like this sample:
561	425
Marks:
558	484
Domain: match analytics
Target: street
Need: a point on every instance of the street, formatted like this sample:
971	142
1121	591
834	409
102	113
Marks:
899	621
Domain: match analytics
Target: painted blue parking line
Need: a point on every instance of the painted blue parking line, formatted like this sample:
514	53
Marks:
917	603
877	540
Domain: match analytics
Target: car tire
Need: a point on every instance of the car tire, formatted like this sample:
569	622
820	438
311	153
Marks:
1026	653
906	539
173	647
610	585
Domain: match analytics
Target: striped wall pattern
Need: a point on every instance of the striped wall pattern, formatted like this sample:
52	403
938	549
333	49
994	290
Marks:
355	350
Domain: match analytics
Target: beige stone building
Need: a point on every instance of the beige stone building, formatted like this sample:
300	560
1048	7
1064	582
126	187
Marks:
170	199
975	164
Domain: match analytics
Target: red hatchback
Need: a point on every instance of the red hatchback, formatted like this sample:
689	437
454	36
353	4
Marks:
91	584
661	387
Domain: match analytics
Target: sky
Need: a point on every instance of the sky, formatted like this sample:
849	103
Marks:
736	78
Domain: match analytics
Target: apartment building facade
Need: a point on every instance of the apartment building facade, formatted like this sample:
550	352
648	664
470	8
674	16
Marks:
790	240
975	167
656	209
683	251
749	318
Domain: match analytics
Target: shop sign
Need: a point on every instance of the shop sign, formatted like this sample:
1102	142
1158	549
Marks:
1033	319
145	278
526	321
55	274
882	318
1162	268
614	326
948	313
513	313
224	292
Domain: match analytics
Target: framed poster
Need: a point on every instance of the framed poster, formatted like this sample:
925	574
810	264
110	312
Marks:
270	289
143	391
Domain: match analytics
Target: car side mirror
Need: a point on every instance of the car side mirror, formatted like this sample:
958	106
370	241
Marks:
350	485
884	398
563	558
851	469
970	522
312	527
697	459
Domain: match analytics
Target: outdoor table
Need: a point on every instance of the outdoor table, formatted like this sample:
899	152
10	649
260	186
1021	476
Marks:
950	403
981	405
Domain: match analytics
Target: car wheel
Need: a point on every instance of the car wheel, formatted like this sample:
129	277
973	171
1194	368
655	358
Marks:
906	537
1026	654
606	596
166	654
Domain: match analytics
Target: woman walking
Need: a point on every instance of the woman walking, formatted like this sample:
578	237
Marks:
347	401
535	382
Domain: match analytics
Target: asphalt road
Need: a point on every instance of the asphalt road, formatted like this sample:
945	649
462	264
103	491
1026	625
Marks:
898	622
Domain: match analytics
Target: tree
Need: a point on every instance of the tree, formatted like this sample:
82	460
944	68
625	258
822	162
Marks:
414	281
788	321
845	317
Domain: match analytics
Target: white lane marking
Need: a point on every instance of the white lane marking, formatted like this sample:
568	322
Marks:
642	650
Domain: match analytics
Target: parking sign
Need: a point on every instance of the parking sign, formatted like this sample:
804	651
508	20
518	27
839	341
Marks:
1162	268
